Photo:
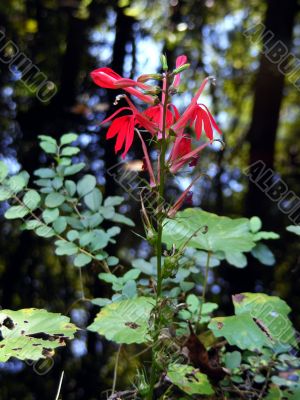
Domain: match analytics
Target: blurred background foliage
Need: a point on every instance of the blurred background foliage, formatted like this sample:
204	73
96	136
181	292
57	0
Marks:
255	106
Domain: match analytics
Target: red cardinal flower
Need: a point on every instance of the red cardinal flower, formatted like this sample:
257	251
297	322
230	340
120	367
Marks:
182	153
197	115
202	118
154	114
109	79
123	127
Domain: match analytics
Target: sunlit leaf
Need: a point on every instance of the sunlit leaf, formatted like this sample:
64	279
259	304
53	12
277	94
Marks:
125	321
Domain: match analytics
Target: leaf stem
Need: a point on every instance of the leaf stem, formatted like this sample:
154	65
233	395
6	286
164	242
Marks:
204	287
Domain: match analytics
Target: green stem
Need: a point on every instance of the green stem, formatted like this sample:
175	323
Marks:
161	192
204	287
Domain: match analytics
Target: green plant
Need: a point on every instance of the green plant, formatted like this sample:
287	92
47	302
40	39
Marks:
156	303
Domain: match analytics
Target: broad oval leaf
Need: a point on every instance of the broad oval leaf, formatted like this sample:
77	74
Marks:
189	379
206	231
86	185
126	321
32	334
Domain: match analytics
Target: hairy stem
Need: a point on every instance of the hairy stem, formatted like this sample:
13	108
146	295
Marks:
160	205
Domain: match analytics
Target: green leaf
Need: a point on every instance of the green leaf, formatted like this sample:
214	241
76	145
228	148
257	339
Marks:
108	278
3	171
48	147
112	261
57	183
86	185
73	169
189	379
293	229
129	290
237	259
81	260
65	248
115	230
32	199
70	187
255	224
233	359
133	274
18	182
50	215
93	200
260	321
265	235
122	219
263	254
5	193
100	301
54	200
125	321
206	231
49	139
32	334
68	138
112	201
45	173
32	224
144	266
44	231
274	394
15	212
70	151
60	224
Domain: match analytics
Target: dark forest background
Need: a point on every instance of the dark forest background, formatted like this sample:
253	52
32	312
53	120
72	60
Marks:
256	106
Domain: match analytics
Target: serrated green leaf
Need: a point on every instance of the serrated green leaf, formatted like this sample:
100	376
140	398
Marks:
54	200
207	231
125	321
81	260
86	185
93	200
33	334
31	199
265	235
189	379
260	321
68	138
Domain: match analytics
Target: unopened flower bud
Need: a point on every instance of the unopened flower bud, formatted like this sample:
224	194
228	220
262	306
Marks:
164	62
180	69
148	77
154	90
